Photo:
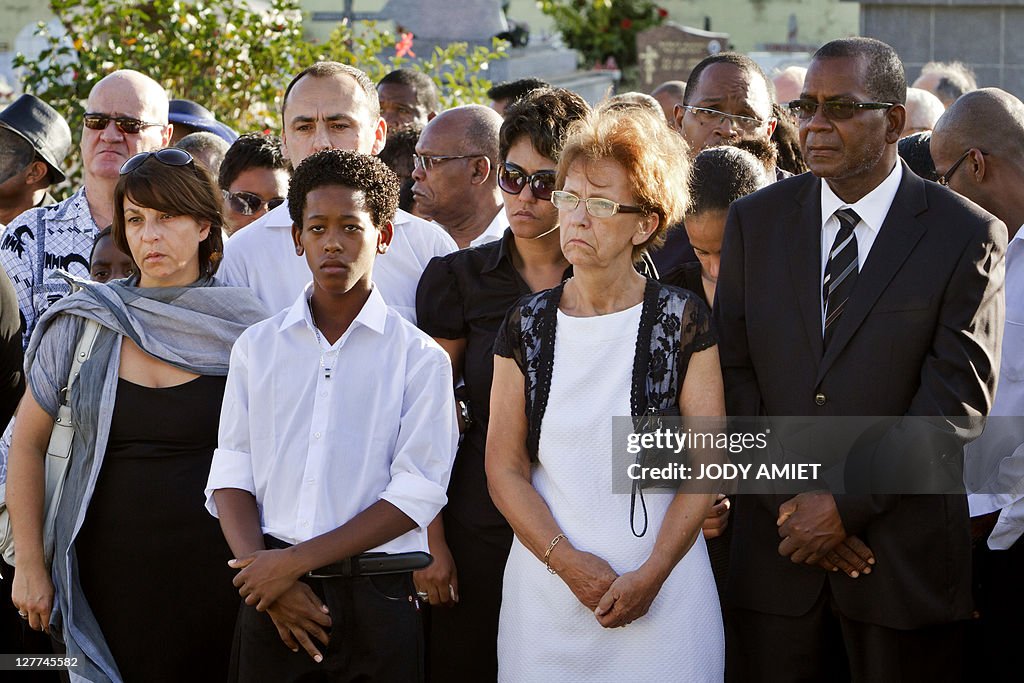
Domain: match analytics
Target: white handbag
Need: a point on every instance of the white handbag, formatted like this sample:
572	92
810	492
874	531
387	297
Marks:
58	456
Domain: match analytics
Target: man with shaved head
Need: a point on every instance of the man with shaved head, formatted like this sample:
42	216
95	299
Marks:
978	147
456	175
126	113
669	94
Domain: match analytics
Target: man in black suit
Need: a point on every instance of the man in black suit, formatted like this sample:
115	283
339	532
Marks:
871	293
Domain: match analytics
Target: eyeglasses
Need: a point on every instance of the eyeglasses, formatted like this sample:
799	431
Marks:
748	124
125	124
596	206
427	161
944	178
169	156
247	203
514	180
835	110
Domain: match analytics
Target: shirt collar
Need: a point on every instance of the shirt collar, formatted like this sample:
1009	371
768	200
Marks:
502	253
372	315
872	207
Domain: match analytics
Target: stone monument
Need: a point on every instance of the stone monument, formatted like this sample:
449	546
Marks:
669	52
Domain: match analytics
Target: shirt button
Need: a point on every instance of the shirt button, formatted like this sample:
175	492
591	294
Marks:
304	524
323	393
311	480
819	399
317	435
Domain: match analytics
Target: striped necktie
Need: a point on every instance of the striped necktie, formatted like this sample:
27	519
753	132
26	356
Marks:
840	271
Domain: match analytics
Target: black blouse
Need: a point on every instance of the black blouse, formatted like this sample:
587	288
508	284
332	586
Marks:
466	295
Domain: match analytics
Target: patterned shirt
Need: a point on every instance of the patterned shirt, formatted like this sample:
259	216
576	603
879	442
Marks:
67	230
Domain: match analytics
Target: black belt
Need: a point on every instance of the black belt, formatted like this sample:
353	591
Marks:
366	564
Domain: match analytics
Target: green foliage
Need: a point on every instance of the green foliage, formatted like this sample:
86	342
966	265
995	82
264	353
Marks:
224	54
600	29
455	68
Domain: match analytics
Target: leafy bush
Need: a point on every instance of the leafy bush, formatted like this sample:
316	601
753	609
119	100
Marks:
603	28
224	54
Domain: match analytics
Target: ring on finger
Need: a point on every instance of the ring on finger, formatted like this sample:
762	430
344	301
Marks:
23	615
422	595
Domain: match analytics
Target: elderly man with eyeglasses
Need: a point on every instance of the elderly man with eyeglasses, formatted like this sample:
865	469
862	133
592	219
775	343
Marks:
126	113
728	99
455	169
858	289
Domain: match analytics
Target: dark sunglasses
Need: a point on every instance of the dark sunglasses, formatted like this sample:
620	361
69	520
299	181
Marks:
247	203
837	110
169	156
514	180
125	124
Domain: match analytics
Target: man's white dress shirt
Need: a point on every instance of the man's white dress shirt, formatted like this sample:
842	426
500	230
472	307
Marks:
872	209
494	231
316	451
994	464
262	256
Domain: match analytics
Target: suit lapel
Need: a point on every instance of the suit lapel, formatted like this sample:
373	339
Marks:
803	243
897	237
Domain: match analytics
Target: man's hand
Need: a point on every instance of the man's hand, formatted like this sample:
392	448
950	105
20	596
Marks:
299	614
265	576
440	581
810	527
851	556
718	518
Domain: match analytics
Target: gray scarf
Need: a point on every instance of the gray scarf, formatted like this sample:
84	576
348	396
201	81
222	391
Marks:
192	328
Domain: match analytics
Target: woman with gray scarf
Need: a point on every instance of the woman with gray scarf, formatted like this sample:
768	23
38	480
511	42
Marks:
139	589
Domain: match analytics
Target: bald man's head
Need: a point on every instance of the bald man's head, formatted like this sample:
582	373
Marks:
989	119
978	147
141	105
456	175
474	127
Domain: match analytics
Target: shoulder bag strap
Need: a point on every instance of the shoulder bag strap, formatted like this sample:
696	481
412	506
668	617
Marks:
58	451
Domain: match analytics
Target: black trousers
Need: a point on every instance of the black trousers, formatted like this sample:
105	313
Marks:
824	645
463	638
998	631
376	634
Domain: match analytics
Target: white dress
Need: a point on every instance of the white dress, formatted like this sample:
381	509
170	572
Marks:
545	633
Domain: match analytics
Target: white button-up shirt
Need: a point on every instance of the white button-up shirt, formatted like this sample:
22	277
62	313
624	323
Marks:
316	451
494	231
262	257
872	209
994	464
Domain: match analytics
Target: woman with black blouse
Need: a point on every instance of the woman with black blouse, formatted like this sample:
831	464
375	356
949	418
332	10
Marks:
461	302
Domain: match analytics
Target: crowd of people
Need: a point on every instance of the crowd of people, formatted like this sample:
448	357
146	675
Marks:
348	414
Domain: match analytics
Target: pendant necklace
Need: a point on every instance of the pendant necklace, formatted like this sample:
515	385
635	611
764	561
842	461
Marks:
320	343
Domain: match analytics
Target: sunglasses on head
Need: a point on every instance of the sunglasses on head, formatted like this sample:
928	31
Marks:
169	156
125	124
514	180
247	203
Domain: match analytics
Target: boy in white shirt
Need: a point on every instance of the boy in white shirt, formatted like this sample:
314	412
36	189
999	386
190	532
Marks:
337	438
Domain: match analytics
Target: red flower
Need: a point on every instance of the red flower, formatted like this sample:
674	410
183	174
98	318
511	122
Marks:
404	46
626	23
662	12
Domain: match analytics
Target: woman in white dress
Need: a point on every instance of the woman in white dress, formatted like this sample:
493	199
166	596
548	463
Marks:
589	596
